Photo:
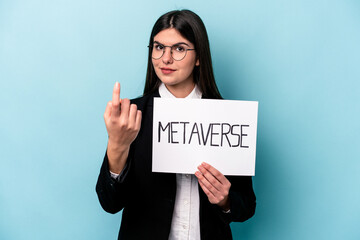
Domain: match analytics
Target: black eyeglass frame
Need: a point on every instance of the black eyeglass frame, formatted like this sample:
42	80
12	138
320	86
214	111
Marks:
171	52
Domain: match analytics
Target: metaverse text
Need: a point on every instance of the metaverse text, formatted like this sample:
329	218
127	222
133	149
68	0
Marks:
211	134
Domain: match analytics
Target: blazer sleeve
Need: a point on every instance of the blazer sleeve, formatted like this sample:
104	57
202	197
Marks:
242	200
111	192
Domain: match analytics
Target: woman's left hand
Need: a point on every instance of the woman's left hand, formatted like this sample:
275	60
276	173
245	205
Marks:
214	184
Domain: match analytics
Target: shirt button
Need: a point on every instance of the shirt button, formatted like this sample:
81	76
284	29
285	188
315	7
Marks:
187	175
186	202
184	226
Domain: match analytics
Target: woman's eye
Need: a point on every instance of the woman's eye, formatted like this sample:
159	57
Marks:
158	47
179	48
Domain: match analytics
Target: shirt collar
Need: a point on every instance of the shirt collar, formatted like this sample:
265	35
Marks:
165	93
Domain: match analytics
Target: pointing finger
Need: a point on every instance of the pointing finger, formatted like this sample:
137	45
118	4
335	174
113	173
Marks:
116	100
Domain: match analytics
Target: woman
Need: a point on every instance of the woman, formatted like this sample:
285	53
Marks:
166	205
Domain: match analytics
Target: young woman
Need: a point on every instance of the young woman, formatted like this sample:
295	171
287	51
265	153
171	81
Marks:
166	205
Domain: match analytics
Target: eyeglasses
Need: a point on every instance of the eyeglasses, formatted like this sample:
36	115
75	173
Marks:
178	51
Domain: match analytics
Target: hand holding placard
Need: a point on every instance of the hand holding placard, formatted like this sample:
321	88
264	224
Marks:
214	184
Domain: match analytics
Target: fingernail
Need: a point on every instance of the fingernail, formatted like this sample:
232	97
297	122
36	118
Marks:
204	164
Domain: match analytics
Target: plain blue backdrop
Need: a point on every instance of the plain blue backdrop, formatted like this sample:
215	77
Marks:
300	59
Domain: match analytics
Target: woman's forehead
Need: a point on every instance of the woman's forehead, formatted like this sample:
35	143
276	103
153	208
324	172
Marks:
170	36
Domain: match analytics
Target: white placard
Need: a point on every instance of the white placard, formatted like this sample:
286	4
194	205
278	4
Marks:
187	132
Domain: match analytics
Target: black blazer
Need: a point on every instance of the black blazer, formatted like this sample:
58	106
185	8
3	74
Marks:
148	198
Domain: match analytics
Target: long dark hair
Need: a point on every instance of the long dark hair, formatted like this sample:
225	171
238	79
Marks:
193	29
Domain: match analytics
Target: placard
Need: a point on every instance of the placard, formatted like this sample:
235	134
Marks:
187	132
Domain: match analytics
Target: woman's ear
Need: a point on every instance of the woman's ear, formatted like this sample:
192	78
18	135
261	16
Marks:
197	63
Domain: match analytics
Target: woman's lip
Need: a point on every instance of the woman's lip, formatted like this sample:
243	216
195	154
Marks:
167	70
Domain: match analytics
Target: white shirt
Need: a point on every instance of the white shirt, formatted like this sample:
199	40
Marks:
185	223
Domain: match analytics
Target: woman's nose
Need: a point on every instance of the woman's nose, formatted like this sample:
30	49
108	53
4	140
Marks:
167	58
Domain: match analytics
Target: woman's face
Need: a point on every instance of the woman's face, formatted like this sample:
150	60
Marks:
176	75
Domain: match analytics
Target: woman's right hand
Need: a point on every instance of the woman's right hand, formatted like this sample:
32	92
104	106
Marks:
123	122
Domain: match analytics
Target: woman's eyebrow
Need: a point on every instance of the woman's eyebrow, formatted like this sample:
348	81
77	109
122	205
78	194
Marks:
179	43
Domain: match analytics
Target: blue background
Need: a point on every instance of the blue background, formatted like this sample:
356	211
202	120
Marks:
58	63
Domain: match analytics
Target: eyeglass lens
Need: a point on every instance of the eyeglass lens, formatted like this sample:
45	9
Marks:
178	52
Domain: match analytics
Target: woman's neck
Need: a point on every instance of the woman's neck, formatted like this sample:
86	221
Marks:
181	91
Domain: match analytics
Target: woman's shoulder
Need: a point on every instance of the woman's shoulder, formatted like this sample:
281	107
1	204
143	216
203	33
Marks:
145	100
